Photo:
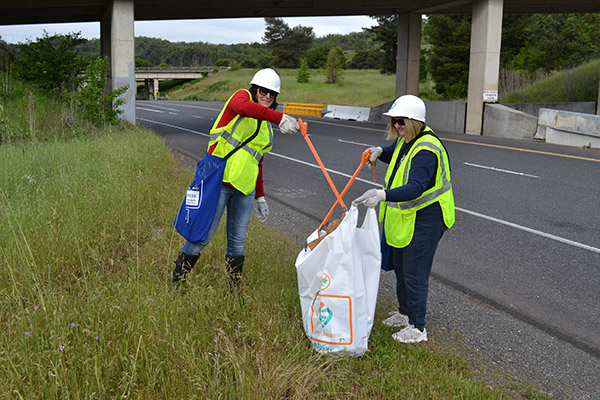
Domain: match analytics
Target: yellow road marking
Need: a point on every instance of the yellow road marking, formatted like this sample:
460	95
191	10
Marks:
524	150
475	143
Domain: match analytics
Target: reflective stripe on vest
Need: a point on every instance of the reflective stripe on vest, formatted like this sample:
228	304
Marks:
228	137
407	205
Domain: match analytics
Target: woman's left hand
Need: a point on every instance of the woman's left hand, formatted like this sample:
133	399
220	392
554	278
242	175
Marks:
370	198
261	211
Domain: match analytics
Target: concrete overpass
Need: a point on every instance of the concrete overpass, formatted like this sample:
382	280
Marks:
152	75
117	35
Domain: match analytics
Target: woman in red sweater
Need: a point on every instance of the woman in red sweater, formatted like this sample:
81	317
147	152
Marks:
246	112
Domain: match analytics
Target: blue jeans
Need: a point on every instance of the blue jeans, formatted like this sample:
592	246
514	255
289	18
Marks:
413	270
239	210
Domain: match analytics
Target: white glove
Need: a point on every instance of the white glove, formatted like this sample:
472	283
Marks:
370	198
261	211
375	153
288	124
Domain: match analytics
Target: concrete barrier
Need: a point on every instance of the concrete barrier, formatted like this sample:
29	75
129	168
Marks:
586	107
347	113
376	115
569	128
446	116
505	122
310	110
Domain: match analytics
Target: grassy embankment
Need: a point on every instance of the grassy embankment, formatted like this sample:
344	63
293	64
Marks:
359	88
370	88
87	311
572	85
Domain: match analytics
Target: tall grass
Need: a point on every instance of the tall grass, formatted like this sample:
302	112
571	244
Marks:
87	311
28	115
576	84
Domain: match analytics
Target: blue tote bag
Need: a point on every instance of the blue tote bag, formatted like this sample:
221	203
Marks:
197	210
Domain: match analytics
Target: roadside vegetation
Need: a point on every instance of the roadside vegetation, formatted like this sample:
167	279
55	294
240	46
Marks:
571	85
86	305
364	88
369	88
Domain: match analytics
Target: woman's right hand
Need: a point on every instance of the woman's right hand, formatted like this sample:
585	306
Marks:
375	153
288	124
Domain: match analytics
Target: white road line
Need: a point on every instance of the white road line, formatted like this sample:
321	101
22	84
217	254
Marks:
535	232
149	109
174	126
357	143
328	170
164	108
476	214
501	170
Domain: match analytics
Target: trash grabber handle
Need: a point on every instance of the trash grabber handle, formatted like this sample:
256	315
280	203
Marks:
365	158
304	130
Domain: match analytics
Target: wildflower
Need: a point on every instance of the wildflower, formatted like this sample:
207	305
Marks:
72	324
35	308
26	333
119	284
62	348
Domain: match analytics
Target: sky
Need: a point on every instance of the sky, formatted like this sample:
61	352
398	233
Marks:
239	30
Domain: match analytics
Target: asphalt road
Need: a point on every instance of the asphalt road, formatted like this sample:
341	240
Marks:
527	236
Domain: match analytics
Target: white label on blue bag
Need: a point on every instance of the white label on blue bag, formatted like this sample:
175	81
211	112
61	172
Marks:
192	199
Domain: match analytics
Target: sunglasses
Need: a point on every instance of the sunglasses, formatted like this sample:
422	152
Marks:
265	92
399	121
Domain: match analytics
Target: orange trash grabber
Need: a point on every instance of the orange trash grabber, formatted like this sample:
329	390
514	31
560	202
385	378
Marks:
364	159
304	130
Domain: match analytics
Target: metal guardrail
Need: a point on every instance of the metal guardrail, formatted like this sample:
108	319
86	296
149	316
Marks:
310	110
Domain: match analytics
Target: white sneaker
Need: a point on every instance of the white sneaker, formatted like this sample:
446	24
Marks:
410	334
396	320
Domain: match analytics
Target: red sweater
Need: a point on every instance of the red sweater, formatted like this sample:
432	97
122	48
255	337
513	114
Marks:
241	104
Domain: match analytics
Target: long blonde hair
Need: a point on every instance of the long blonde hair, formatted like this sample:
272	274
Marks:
413	127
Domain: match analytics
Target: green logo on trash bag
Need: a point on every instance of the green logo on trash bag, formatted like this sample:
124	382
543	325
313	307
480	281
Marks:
326	315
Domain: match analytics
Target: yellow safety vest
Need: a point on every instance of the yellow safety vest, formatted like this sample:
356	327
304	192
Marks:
241	170
400	217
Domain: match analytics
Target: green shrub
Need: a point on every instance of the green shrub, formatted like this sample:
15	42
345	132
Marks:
303	75
52	63
336	62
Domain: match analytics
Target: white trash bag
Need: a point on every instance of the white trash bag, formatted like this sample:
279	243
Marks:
338	283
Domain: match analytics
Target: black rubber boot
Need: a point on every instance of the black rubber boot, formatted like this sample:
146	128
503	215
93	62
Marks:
183	265
235	267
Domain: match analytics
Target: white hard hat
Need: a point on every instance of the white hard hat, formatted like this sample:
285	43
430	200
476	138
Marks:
408	106
268	79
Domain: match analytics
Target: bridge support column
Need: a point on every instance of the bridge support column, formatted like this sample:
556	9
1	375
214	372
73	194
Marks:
484	65
122	55
408	56
155	89
147	89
